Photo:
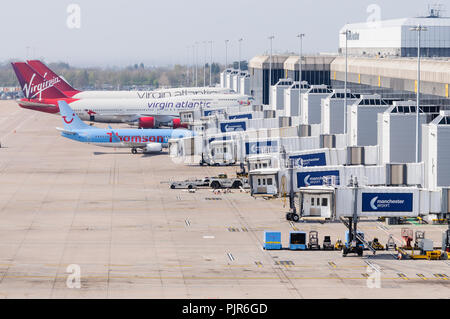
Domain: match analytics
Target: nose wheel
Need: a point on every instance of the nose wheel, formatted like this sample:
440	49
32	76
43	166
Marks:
134	150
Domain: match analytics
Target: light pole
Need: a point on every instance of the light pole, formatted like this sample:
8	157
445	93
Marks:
210	64
239	62
193	64
226	53
204	65
300	58
187	66
419	28
270	64
196	64
346	32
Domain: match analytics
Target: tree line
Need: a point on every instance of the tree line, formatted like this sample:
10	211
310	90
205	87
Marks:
133	76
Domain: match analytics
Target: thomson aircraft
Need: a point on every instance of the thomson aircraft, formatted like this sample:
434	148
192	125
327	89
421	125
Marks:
61	84
42	95
149	141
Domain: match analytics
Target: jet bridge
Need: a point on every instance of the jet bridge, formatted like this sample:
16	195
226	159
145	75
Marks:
350	203
333	203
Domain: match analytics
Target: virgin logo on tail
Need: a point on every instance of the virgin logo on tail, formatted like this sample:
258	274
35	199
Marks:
37	89
66	121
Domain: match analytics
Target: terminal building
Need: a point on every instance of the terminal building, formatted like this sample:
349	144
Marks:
382	59
395	37
317	142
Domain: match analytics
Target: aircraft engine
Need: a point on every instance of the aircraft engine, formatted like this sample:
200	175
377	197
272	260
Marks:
153	148
147	122
176	123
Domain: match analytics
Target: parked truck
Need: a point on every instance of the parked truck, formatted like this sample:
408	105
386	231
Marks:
223	181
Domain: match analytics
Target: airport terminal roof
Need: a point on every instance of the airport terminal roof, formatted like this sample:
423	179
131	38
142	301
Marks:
425	21
263	61
290	62
432	70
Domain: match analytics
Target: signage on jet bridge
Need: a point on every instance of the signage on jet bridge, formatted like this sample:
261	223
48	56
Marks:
317	178
304	160
261	147
212	112
240	116
233	127
221	138
387	202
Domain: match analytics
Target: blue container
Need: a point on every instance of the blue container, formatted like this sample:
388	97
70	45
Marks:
272	240
360	233
297	240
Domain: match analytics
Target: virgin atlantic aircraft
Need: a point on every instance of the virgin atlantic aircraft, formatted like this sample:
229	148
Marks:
42	95
62	85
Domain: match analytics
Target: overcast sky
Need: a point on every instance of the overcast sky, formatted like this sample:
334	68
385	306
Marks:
119	33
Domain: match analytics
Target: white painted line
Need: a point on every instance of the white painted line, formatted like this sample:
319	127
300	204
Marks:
373	266
209	237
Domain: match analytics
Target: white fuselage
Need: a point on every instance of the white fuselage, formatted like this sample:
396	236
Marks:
154	94
164	109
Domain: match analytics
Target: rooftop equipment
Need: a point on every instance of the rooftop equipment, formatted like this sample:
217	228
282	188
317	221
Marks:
310	112
332	111
277	96
396	131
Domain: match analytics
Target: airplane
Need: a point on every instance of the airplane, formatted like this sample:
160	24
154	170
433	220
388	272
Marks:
61	84
149	141
42	95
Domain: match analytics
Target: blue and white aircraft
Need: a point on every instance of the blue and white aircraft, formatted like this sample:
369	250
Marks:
149	140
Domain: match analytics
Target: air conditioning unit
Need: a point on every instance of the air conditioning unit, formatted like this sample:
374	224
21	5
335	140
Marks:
304	130
355	155
285	121
445	204
257	108
327	141
448	198
396	174
269	114
189	146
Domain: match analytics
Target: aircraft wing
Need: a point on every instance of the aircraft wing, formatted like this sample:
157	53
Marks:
66	131
134	144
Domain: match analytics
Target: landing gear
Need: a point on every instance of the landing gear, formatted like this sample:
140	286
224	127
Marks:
134	150
292	216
